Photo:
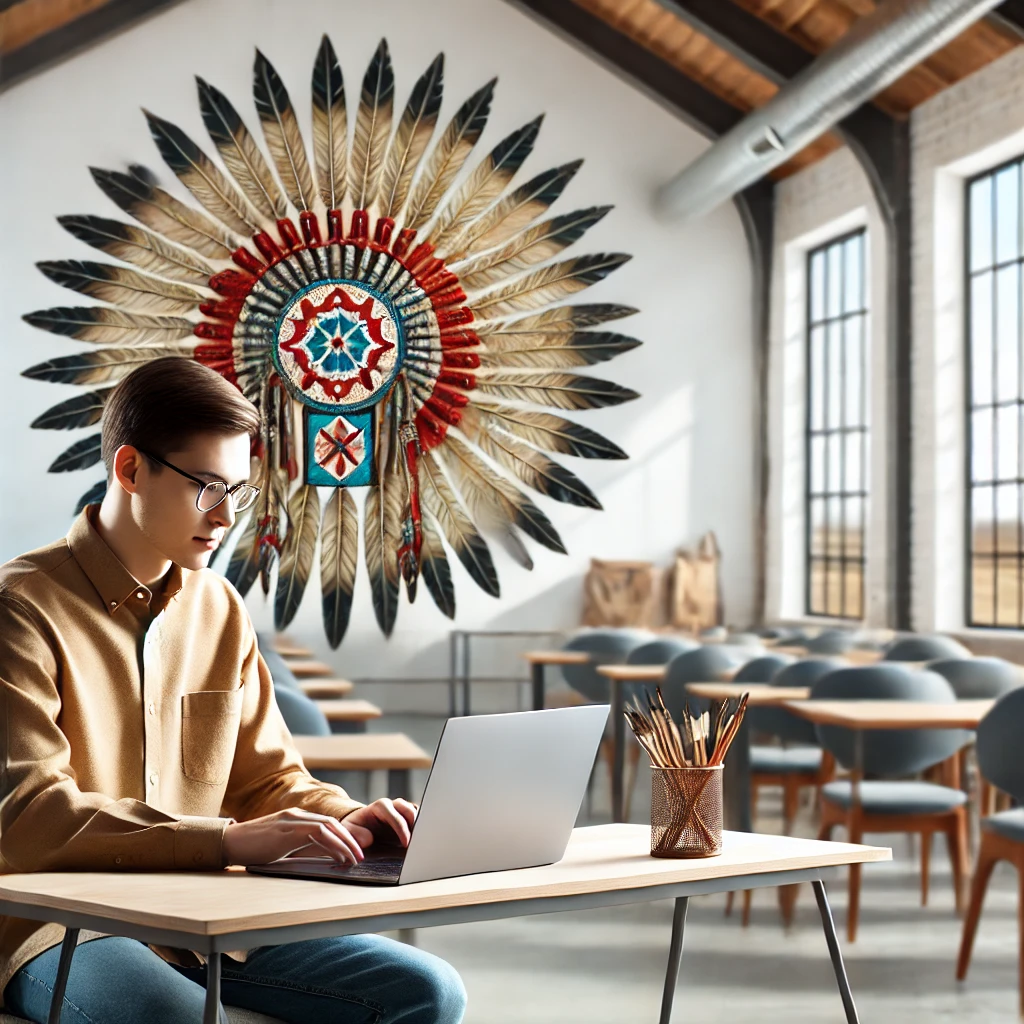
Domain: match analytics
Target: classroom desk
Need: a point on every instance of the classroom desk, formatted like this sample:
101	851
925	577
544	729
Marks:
288	649
608	865
539	661
306	669
321	688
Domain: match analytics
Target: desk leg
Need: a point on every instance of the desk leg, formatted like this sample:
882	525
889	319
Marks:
465	675
400	783
212	1010
736	782
675	954
834	951
618	749
537	678
453	669
67	951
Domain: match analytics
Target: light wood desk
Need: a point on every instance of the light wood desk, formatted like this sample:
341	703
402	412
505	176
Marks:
394	753
893	714
307	669
609	865
290	649
348	710
320	688
539	661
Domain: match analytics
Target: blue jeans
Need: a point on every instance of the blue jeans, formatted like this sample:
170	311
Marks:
354	979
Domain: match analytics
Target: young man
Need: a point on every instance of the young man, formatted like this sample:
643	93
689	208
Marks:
140	732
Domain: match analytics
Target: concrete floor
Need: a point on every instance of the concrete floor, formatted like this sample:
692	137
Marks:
608	965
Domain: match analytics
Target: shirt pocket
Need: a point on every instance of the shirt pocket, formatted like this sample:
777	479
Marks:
209	732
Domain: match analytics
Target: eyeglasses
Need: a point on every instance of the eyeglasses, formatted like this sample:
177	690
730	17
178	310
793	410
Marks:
213	493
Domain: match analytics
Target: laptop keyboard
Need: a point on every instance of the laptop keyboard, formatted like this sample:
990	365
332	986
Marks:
382	868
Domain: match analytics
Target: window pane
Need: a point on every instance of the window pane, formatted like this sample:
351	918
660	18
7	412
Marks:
834	374
834	281
816	524
1007	214
854	527
853	298
853	344
817	378
981	298
817	286
834	547
982	517
1007	539
980	212
1007	440
817	465
853	451
834	462
1007	586
1007	333
981	445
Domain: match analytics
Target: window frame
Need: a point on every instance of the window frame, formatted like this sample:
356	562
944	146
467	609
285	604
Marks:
828	563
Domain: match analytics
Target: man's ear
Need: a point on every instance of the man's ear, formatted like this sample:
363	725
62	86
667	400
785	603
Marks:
127	463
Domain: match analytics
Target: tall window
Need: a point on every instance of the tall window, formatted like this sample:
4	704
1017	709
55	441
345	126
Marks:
995	399
837	427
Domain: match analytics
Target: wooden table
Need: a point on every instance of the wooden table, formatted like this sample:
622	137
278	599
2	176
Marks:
351	713
214	911
893	714
306	669
288	649
320	688
539	661
394	753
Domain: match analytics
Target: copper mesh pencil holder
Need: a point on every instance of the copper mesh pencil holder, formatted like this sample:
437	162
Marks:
686	811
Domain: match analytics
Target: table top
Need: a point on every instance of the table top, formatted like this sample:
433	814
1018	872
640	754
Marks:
557	657
325	687
341	710
634	673
760	694
305	668
599	859
362	751
893	714
853	656
287	649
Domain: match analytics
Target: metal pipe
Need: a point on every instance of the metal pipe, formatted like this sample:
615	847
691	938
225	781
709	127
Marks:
877	50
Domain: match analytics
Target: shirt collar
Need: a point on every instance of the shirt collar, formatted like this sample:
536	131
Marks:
113	582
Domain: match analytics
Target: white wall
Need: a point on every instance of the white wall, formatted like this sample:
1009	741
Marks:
822	202
690	436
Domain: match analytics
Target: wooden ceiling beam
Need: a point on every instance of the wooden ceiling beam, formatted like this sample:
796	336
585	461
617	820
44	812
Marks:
700	108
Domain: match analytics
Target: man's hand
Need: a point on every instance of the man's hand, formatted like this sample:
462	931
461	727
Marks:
382	821
276	835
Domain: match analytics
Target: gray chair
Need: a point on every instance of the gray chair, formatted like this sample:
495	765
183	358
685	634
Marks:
877	804
745	640
763	669
661	651
304	718
831	641
978	678
1002	835
279	670
606	647
714	633
703	665
924	648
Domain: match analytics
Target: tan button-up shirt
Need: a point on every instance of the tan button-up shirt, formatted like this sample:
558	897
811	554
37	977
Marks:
134	727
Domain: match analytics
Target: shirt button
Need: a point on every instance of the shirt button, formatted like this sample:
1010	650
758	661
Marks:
152	778
113	604
140	595
152	708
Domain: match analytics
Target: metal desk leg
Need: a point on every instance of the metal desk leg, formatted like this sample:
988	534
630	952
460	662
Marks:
400	783
453	669
618	749
67	951
212	1011
675	954
736	783
537	678
834	952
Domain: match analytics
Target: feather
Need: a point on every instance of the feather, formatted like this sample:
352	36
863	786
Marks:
561	320
106	326
296	553
448	156
437	574
201	176
97	367
411	138
243	566
515	211
558	390
486	183
494	500
470	548
548	284
81	411
381	540
274	498
238	150
339	555
330	126
165	214
373	126
138	246
534	245
92	496
121	286
80	455
544	430
552	351
281	130
532	467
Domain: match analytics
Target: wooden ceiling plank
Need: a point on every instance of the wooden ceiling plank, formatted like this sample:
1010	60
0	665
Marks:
23	23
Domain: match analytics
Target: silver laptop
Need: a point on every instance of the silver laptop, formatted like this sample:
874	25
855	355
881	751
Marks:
504	792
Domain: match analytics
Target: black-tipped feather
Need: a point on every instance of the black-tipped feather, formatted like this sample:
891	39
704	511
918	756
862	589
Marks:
550	432
97	367
81	411
243	566
562	320
434	568
373	127
339	558
553	351
121	286
80	455
105	326
296	554
330	126
559	390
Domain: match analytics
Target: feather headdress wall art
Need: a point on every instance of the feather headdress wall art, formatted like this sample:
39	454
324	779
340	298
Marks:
395	321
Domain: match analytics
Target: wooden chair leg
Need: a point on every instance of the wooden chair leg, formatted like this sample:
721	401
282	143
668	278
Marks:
982	873
853	899
959	857
787	902
926	851
790	803
748	896
729	898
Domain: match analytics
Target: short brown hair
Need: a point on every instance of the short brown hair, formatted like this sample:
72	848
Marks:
164	403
